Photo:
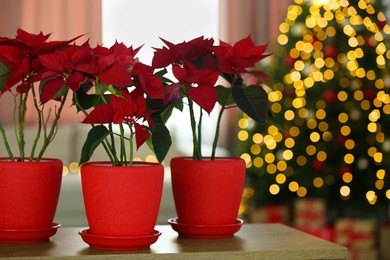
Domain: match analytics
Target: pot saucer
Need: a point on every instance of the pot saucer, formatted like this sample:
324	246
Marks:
28	236
118	243
205	231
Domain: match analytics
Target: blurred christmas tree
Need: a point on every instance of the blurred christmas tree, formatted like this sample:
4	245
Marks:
331	97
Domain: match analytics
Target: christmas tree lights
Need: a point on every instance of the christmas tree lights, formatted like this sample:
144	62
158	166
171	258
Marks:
331	97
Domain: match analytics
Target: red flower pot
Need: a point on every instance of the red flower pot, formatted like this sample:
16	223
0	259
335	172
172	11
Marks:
207	192
122	201
29	194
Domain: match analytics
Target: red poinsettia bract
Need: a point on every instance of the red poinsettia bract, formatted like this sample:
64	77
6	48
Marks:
200	84
237	58
21	55
129	107
196	51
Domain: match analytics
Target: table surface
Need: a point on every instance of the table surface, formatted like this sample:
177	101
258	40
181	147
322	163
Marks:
253	241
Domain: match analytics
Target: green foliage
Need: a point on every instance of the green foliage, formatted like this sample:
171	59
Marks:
161	141
5	72
95	137
253	101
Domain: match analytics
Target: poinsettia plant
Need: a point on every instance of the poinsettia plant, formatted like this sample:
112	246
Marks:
198	66
20	74
112	88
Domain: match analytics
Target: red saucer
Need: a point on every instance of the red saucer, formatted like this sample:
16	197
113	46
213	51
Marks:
118	243
205	231
28	236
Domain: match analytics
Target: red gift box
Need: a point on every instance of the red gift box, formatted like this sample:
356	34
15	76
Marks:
355	233
270	214
310	214
364	254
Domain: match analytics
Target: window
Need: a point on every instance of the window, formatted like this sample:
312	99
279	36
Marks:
143	22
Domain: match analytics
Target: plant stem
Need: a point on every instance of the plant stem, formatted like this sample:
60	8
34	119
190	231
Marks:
22	113
200	133
40	123
6	144
54	127
112	146
123	147
16	114
218	126
131	149
196	153
105	142
216	136
114	158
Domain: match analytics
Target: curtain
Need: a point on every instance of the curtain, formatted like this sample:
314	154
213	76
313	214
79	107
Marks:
64	19
259	18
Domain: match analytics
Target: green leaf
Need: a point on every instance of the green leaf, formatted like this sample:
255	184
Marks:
224	95
114	91
86	101
161	74
5	72
161	141
162	116
95	137
253	101
61	92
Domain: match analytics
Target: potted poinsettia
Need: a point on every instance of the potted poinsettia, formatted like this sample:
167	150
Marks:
118	95
207	189
29	182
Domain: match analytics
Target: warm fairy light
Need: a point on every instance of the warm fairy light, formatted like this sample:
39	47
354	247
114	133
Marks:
311	149
380	174
371	196
74	167
288	155
255	149
301	192
388	194
349	144
243	123
65	170
243	135
318	182
347	177
378	157
282	166
280	178
293	186
247	159
379	184
257	138
258	162
271	168
151	158
274	189
349	158
345	191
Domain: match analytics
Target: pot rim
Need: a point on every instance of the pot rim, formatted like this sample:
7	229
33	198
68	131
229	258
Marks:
109	164
42	160
208	158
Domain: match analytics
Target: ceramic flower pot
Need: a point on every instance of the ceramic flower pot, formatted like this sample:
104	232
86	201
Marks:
121	201
29	194
207	192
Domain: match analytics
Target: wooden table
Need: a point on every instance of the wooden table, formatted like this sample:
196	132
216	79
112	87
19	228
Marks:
253	241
